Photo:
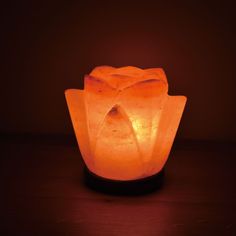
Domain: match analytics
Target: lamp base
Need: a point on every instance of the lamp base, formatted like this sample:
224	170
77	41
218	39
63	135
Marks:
119	187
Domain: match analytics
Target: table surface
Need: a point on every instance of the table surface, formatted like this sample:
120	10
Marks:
43	192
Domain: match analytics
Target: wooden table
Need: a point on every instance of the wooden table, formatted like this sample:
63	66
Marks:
42	192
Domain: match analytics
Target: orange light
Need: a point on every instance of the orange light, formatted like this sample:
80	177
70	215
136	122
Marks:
124	121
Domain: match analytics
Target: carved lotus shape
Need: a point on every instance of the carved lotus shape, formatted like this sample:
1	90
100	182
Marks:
124	121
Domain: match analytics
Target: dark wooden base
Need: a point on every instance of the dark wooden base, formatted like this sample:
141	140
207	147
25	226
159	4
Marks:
116	187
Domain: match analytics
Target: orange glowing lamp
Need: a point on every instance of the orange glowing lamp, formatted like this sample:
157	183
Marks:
125	122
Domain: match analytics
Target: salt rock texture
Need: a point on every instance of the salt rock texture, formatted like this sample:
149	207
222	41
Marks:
124	120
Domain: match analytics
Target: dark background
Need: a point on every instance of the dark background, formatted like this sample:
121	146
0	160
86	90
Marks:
47	47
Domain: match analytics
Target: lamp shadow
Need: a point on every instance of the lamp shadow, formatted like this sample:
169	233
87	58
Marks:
126	188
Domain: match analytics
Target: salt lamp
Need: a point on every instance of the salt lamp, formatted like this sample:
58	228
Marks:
125	122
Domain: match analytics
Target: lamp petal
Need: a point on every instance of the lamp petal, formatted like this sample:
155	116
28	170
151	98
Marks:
76	106
168	126
99	99
143	103
155	73
116	154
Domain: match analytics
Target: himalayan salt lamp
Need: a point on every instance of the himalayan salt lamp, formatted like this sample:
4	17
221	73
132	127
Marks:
124	121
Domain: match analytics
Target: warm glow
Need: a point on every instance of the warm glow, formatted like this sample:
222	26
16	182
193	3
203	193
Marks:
124	121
